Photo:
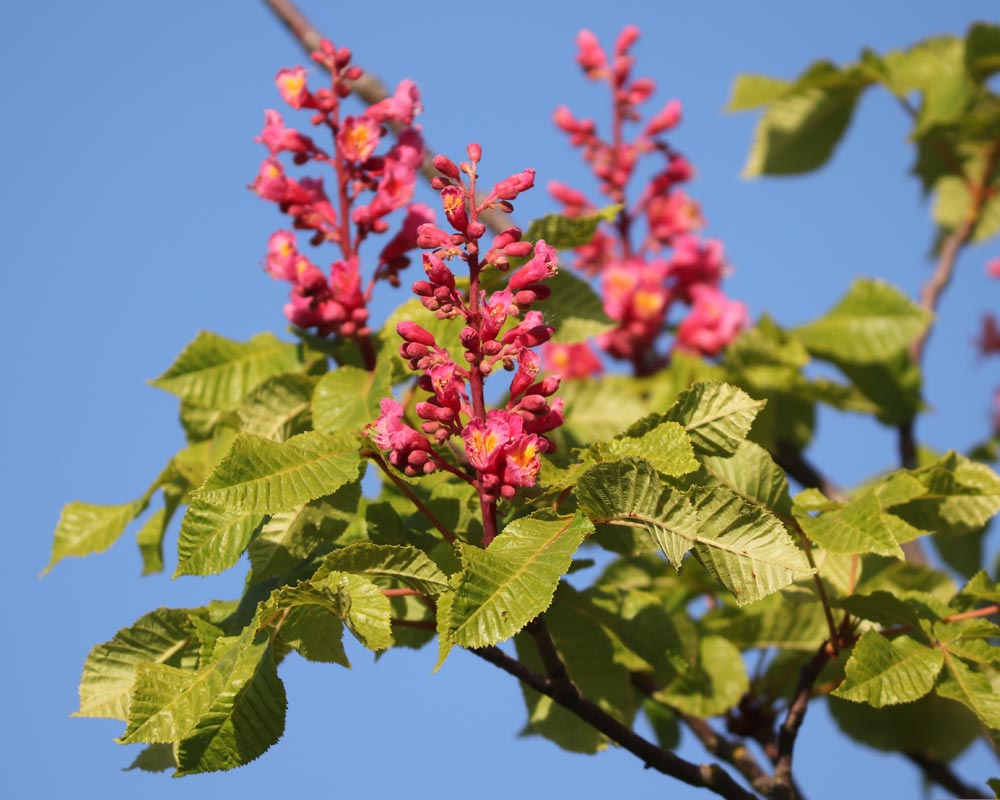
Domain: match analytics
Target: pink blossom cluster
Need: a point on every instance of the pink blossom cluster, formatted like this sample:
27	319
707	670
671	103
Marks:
642	282
337	303
500	328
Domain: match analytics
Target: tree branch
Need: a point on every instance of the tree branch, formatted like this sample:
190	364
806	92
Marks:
941	773
705	776
370	89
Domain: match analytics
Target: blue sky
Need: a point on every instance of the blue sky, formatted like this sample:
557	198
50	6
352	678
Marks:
127	131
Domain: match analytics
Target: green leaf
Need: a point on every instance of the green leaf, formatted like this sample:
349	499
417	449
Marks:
872	322
859	527
716	416
84	528
403	563
597	410
771	622
752	474
665	445
982	50
201	423
884	672
212	538
502	588
164	636
752	91
745	547
885	608
893	386
365	610
563	232
981	587
954	204
265	476
962	496
579	313
971	689
290	537
713	685
216	372
348	398
279	408
154	758
799	130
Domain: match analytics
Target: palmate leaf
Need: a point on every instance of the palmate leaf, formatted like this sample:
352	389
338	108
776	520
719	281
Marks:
502	588
744	546
165	636
885	672
871	323
267	477
280	407
348	398
85	528
217	373
212	538
716	416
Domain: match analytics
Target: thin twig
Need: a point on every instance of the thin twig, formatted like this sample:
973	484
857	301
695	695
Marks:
411	495
941	773
706	776
369	88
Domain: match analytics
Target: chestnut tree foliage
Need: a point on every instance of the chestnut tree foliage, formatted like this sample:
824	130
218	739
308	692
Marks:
503	452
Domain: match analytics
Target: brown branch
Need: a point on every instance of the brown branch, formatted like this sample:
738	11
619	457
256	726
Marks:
789	729
705	776
940	772
792	461
369	88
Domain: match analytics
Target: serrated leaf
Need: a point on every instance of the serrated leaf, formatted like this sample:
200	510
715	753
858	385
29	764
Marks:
578	314
212	538
85	528
666	446
752	474
800	130
217	373
859	527
954	204
267	477
365	610
289	537
961	496
716	416
196	461
316	634
982	587
884	608
982	50
711	686
154	758
280	407
971	689
751	91
872	322
347	398
403	563
745	547
502	588
163	636
562	232
884	672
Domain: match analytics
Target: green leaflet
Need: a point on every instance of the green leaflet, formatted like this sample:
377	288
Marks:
665	445
859	527
217	373
280	407
563	232
347	398
883	672
982	50
872	322
265	476
716	416
961	496
154	758
213	538
744	546
971	689
403	563
164	636
84	528
579	313
771	622
752	474
502	588
712	685
887	609
752	91
597	410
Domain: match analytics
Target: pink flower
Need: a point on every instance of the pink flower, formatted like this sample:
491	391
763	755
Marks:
277	138
271	182
522	463
694	263
713	322
571	360
673	215
668	118
485	439
402	107
292	85
358	137
542	266
993	267
281	255
410	451
590	56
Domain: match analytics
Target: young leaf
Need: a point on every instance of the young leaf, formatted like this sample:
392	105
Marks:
505	586
859	527
666	446
164	636
716	416
982	50
279	408
403	563
265	476
971	689
347	398
217	373
212	538
871	323
884	672
85	528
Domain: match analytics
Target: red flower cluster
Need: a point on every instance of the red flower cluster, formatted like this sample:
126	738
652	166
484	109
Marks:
640	284
502	446
337	304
